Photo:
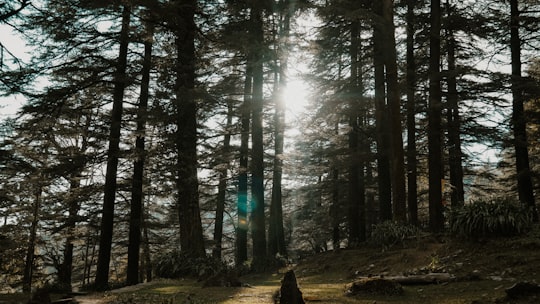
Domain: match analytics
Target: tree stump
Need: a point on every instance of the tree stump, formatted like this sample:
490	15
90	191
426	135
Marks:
289	292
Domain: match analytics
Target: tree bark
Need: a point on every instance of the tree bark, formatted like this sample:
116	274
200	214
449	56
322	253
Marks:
336	212
65	273
107	219
436	219
258	229
356	199
399	199
147	269
412	163
276	234
242	226
420	279
30	251
222	186
453	119
524	179
136	208
191	234
382	122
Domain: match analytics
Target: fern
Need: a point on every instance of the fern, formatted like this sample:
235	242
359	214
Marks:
500	217
389	233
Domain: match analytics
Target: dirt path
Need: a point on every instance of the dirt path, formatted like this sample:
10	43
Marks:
101	298
91	299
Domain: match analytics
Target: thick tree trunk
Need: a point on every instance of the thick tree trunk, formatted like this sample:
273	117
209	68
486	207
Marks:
276	234
453	120
382	121
107	219
258	229
242	226
356	199
436	219
412	163
191	234
136	208
524	179
222	186
399	199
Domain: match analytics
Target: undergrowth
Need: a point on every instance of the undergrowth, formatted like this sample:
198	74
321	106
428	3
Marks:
177	264
389	233
501	217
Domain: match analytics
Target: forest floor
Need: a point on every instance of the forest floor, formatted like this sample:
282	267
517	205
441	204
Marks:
481	271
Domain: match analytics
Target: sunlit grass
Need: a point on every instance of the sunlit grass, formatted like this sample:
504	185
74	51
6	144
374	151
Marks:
322	278
315	289
169	289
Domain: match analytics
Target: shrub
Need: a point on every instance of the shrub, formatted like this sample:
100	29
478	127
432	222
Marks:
390	233
500	217
177	264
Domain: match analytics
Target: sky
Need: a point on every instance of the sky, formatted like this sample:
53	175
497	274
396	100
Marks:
10	41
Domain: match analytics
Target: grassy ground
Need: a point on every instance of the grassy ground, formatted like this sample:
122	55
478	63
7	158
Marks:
483	268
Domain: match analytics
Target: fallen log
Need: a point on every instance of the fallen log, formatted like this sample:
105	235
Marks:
419	279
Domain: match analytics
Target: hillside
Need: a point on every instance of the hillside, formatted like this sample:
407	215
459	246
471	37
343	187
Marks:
482	270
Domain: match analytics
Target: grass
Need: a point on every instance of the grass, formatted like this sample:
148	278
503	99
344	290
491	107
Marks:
485	268
315	292
496	264
14	298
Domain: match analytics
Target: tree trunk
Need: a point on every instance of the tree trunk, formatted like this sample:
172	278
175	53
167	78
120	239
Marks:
65	271
147	269
524	179
135	215
436	219
356	201
412	164
222	186
191	234
242	226
399	199
276	235
107	219
257	169
371	215
30	252
453	119
336	211
382	122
